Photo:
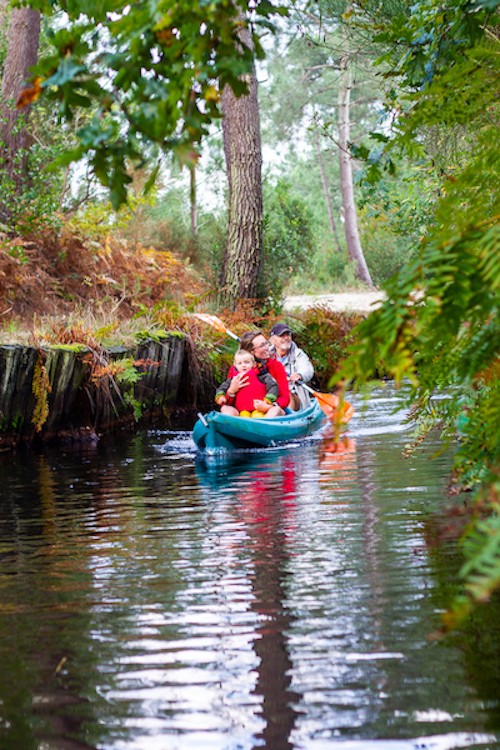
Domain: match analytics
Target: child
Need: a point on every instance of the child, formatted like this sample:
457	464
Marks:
260	386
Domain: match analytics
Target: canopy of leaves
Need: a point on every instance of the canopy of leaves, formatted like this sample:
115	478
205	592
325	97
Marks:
154	69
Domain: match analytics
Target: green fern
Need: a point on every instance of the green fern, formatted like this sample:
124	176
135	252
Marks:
439	328
481	572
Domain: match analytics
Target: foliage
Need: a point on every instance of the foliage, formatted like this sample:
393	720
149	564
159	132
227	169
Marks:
385	252
288	239
34	196
167	226
151	68
325	335
111	278
395	210
440	325
481	571
35	206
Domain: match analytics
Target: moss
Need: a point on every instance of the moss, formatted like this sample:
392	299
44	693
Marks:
76	348
176	334
14	424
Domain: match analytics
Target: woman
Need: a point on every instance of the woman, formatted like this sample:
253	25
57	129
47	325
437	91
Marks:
256	343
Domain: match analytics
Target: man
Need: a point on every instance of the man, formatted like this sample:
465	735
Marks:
295	361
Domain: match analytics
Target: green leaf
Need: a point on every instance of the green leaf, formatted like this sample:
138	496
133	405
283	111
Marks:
67	71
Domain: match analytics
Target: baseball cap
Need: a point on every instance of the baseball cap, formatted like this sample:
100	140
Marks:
279	329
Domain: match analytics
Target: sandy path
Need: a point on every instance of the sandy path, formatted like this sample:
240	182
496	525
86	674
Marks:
345	302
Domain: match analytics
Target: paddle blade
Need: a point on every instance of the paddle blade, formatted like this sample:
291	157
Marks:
216	323
333	408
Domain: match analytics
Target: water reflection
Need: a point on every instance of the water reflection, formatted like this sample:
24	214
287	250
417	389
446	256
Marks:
280	599
265	503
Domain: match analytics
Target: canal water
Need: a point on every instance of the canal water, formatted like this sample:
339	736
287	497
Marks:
284	599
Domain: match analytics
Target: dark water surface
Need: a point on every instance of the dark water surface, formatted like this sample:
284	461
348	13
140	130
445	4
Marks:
284	599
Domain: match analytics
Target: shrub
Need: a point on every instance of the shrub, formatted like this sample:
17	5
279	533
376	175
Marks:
288	239
325	336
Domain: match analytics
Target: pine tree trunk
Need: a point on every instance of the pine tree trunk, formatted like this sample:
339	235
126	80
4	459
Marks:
349	207
192	201
242	148
22	53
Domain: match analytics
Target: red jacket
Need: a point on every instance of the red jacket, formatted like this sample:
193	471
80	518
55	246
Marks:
271	367
261	385
277	370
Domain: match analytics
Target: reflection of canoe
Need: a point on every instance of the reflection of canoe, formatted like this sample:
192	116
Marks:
216	430
221	469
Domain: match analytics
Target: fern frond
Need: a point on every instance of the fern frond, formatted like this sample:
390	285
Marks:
481	571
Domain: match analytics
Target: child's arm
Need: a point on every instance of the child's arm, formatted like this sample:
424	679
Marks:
220	395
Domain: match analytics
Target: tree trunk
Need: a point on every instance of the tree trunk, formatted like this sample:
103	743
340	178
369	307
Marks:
242	148
350	217
326	192
192	201
22	52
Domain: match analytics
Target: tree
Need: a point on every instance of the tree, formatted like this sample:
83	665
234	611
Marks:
320	63
326	192
440	325
242	148
22	51
346	180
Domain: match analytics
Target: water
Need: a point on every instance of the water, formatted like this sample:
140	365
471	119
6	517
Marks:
282	599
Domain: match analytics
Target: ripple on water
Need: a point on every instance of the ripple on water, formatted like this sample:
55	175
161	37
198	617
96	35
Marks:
281	599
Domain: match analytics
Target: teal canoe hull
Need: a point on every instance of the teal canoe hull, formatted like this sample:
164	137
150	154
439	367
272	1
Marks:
215	430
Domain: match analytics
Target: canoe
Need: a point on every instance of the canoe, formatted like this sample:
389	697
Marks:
216	430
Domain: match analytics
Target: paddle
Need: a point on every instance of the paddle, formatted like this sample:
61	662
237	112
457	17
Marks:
330	405
328	402
217	323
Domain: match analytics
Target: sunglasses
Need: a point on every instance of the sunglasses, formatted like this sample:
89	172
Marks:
261	346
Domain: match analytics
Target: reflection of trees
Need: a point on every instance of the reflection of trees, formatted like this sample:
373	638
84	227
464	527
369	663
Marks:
478	639
69	531
268	510
265	504
338	460
43	577
372	538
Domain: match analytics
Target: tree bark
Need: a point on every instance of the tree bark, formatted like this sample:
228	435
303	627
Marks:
349	206
242	148
192	201
326	192
22	53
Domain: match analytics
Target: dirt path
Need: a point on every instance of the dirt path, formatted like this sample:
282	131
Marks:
345	302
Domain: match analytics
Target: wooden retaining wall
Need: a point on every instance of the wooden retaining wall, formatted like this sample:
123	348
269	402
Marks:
59	393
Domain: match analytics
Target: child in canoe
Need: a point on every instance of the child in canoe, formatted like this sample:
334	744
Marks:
254	385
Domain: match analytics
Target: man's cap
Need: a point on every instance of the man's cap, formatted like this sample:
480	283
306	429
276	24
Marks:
279	329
